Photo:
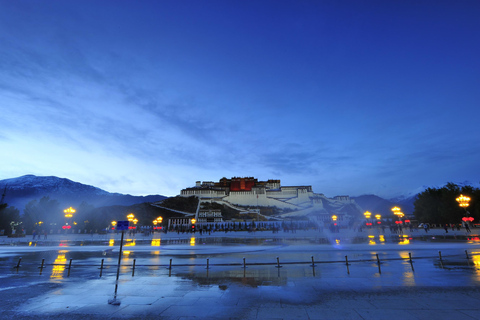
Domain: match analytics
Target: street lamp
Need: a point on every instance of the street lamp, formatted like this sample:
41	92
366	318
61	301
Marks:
367	215
396	211
464	202
68	215
69	212
334	218
130	217
378	216
193	224
159	220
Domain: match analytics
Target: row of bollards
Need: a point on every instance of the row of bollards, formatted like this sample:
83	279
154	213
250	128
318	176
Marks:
244	264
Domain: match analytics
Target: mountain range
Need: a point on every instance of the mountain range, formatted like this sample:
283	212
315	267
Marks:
19	191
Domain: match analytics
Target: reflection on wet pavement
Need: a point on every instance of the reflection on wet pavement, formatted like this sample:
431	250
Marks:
59	265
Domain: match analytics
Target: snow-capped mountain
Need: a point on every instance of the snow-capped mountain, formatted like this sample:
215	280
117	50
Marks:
19	191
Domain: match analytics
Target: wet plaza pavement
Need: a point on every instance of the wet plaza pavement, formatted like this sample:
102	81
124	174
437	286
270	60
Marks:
289	287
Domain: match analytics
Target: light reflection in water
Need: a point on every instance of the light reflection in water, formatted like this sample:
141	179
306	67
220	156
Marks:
403	239
408	276
192	241
473	240
129	243
337	241
59	265
476	264
381	238
371	240
155	242
111	242
409	279
476	259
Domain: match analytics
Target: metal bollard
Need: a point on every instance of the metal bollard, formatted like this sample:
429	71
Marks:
346	263
101	269
440	256
133	269
244	264
378	263
18	264
42	266
313	263
170	266
208	264
278	263
411	261
69	267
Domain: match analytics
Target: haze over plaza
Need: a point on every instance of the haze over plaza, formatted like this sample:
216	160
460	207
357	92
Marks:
143	98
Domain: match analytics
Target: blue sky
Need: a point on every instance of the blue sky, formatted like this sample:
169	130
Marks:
146	97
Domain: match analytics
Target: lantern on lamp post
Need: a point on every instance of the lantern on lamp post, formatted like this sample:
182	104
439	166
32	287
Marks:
398	213
464	202
367	215
193	221
68	218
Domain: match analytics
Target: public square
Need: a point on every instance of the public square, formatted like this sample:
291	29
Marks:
244	278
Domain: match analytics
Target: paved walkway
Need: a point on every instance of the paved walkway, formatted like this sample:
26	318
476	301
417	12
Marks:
419	294
347	234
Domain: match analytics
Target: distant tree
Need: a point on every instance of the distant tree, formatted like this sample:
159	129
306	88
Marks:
7	215
84	216
41	214
439	205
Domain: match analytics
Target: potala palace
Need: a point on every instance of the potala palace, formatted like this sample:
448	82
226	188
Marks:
250	193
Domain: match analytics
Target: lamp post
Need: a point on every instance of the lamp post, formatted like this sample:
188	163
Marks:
464	202
367	215
193	224
130	218
398	213
114	223
378	217
159	221
334	227
68	216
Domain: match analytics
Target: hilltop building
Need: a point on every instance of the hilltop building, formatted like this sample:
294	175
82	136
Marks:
250	192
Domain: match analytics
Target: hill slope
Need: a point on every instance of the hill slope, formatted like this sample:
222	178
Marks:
21	190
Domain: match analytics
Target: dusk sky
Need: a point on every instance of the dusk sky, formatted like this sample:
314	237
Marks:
146	97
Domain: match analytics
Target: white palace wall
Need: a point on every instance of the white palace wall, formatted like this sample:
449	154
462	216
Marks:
249	198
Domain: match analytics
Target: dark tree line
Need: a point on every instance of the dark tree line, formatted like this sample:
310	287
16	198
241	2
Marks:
440	207
7	216
47	215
